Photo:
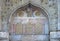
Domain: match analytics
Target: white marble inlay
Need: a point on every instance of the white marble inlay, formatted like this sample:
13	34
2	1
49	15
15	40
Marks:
54	34
4	34
54	40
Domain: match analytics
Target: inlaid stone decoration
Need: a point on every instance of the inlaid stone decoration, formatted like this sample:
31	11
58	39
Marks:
29	21
35	20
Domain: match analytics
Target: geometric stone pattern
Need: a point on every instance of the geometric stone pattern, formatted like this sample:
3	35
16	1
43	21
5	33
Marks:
7	7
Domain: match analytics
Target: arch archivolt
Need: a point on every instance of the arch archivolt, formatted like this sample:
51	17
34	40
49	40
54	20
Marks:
19	6
44	13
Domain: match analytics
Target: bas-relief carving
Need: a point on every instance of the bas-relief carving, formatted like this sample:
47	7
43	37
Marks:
29	27
27	18
51	5
52	10
43	6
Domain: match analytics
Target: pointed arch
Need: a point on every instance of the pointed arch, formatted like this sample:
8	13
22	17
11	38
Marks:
42	8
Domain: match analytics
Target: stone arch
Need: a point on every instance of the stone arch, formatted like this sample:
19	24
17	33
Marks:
43	9
47	14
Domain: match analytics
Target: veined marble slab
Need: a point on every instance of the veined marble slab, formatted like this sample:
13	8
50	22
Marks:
4	35
54	40
35	37
54	34
15	37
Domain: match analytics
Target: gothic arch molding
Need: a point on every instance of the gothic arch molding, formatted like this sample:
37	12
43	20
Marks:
42	8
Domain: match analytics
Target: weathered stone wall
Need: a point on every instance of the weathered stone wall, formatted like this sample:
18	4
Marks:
0	17
49	6
58	14
1	2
